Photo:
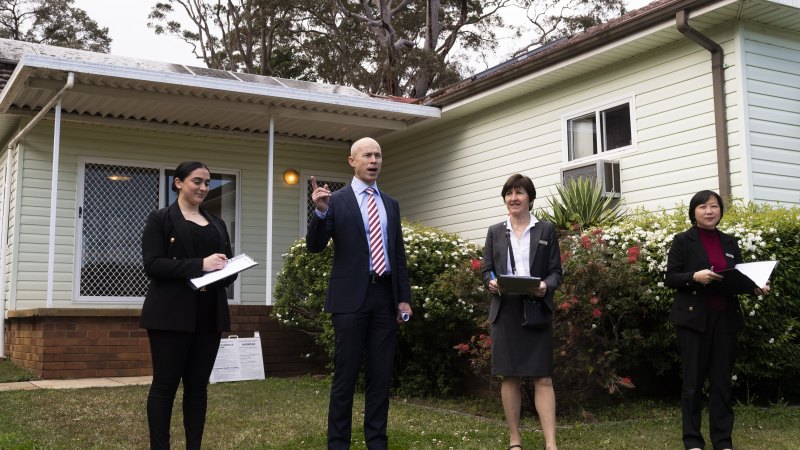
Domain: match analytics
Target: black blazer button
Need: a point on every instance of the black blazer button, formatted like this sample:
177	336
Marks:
172	239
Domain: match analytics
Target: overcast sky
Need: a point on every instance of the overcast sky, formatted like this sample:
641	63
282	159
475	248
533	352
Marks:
127	24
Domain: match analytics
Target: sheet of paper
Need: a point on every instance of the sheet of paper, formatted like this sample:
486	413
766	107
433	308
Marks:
234	265
758	271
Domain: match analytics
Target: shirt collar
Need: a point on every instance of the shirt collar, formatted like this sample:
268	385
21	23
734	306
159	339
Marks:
359	186
531	224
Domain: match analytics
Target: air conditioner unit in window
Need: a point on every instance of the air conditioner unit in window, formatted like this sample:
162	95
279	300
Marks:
604	172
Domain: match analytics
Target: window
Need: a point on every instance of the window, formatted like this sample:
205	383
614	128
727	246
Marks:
334	182
114	200
607	128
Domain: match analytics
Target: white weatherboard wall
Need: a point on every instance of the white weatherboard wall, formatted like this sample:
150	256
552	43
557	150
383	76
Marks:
772	71
450	174
249	158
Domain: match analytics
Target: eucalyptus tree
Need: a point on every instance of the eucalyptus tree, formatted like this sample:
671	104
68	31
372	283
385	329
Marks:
52	22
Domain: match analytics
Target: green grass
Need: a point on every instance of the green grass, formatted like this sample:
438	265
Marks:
290	413
10	372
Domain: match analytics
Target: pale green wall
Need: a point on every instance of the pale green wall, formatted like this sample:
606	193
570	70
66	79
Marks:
449	174
118	144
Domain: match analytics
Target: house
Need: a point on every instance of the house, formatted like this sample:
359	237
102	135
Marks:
78	184
678	96
636	102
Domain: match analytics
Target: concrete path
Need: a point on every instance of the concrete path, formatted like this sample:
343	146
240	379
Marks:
75	384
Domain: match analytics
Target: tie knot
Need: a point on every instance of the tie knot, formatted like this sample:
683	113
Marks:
368	190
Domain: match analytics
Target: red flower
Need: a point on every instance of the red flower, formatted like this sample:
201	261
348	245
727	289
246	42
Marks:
565	256
586	242
597	231
565	306
476	264
574	300
462	348
627	382
633	254
596	313
594	299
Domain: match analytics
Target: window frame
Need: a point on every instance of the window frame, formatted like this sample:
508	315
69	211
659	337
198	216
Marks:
597	110
162	168
305	175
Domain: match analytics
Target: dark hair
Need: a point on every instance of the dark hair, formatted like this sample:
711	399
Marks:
700	198
520	181
184	169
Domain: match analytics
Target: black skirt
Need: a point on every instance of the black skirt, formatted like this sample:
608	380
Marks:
518	351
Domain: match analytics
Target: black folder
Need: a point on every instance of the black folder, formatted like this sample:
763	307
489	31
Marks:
514	284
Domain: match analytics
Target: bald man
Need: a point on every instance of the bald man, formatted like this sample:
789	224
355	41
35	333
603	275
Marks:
368	291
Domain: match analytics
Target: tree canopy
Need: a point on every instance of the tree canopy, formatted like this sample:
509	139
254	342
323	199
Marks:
52	22
384	47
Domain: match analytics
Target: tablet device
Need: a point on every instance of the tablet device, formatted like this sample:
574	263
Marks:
514	284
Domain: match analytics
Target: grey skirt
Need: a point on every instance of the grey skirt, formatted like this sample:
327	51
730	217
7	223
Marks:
518	351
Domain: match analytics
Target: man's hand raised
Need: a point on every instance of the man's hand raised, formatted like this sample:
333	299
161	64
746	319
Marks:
320	195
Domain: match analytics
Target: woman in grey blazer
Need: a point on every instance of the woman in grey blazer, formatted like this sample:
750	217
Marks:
184	326
517	351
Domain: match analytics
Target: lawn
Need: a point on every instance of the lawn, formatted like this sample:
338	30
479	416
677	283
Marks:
289	413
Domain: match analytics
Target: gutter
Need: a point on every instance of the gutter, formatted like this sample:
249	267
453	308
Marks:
627	25
12	145
718	87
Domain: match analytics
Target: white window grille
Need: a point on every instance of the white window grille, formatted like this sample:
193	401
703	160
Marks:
116	200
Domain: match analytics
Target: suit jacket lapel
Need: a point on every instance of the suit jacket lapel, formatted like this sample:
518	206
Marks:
536	236
351	208
501	266
182	231
390	218
696	246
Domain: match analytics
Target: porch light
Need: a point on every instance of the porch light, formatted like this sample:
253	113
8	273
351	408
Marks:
118	177
291	177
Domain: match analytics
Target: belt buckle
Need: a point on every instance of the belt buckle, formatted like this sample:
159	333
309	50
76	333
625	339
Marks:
203	289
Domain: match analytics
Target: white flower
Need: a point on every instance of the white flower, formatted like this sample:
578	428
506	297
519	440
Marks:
771	340
734	377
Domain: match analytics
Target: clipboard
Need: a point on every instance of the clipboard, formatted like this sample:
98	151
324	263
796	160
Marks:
515	284
234	265
744	278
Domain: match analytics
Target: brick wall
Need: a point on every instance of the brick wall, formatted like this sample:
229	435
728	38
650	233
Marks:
86	343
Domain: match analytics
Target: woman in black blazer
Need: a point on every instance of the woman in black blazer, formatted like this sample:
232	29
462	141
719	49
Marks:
519	352
184	326
707	320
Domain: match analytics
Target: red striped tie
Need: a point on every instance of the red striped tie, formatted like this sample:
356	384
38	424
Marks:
375	241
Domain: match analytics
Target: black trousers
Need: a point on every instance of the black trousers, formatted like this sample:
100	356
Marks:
180	356
370	332
711	354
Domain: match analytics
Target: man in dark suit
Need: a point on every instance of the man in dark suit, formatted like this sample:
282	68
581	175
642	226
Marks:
368	291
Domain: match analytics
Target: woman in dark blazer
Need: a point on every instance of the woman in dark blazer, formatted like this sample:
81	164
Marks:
707	320
517	351
184	326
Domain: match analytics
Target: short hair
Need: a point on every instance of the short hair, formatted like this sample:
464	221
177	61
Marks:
520	181
700	198
363	142
184	169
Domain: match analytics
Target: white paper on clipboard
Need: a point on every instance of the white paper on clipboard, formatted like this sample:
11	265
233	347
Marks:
234	265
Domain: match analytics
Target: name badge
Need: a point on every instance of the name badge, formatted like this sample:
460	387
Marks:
541	242
729	255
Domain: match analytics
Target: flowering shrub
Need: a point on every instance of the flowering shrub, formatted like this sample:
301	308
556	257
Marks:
769	350
596	313
447	298
611	313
